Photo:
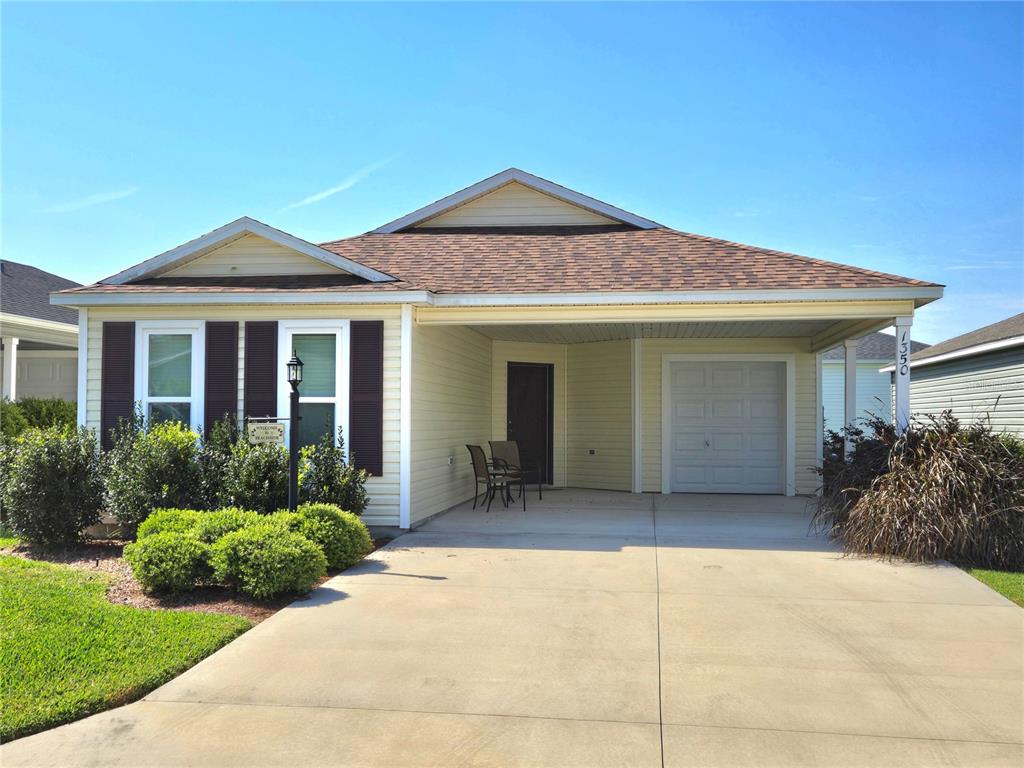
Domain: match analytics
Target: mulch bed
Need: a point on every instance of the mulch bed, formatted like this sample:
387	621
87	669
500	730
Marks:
105	556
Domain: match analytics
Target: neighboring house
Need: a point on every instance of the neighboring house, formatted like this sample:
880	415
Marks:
622	354
977	375
40	340
874	388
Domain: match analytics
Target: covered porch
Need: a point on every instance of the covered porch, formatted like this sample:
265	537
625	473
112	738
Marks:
685	398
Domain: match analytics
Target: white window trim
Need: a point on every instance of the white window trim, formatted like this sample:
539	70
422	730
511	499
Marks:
666	409
197	401
340	328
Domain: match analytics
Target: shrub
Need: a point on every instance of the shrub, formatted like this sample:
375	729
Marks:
256	477
45	412
213	461
168	562
211	526
941	490
54	489
12	419
325	477
266	560
343	537
151	468
168	521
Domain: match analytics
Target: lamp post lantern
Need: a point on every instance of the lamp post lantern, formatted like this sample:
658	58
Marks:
294	379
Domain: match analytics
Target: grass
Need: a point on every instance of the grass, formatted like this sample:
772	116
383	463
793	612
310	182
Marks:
8	538
66	652
1009	584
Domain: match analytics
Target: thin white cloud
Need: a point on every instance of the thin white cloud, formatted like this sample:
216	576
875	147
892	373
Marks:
347	183
982	266
90	200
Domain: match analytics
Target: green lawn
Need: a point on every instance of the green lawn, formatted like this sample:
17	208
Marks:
1007	583
65	652
7	538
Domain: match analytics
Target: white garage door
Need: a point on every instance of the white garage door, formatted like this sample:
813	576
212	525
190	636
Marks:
727	427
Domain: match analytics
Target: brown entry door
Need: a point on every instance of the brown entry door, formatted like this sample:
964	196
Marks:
531	394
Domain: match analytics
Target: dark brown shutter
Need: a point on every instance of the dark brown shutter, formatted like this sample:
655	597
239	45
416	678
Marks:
221	372
261	372
117	378
366	395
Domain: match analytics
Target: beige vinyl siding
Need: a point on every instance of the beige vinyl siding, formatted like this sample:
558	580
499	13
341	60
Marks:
516	205
504	352
650	393
451	406
383	509
874	391
973	387
252	255
599	415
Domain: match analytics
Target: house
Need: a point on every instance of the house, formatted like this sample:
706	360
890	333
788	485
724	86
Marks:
874	388
979	374
40	340
621	354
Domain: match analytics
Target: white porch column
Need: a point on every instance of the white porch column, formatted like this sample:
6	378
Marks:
405	420
10	367
850	386
901	376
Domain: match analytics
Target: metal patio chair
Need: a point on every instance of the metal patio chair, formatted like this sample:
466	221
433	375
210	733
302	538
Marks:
506	455
491	478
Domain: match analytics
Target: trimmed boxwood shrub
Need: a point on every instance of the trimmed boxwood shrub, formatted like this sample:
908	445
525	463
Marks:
266	559
12	419
169	521
45	412
53	490
211	526
256	477
168	562
326	478
152	468
214	456
343	537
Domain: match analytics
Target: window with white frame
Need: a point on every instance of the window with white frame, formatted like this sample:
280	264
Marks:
322	346
169	357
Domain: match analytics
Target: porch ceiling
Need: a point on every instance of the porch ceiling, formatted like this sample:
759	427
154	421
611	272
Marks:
572	333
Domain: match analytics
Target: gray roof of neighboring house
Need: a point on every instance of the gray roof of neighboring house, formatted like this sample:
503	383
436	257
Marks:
1004	329
25	291
875	346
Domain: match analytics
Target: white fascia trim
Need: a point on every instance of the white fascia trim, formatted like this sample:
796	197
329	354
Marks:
977	349
527	180
34	322
106	298
245	225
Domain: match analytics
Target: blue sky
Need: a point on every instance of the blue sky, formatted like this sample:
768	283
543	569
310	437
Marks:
887	136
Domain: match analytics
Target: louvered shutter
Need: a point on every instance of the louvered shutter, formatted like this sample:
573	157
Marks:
366	395
261	372
221	372
117	378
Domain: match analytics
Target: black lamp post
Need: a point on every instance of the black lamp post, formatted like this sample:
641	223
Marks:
294	378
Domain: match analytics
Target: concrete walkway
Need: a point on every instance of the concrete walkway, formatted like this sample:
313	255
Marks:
597	629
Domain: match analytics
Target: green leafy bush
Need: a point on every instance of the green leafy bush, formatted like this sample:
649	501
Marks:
266	560
941	490
256	477
211	526
214	456
54	489
151	468
12	419
343	537
168	562
325	477
169	521
45	412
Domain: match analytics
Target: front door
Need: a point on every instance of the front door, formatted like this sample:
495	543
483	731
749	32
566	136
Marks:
531	388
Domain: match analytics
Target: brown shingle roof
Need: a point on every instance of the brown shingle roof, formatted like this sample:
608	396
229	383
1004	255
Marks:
582	259
1004	329
874	346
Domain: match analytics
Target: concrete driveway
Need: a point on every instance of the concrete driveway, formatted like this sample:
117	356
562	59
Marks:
597	629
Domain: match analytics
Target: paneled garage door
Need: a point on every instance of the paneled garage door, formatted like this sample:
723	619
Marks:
728	427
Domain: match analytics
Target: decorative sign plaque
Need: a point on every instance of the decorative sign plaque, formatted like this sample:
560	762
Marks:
264	432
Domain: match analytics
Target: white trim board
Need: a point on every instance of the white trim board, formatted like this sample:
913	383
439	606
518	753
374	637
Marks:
200	246
977	349
666	408
508	176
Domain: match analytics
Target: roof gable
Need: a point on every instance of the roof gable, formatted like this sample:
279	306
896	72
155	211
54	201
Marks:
178	259
515	198
251	255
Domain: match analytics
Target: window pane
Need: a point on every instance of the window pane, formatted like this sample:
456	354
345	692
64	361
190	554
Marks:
170	365
316	351
170	412
317	421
